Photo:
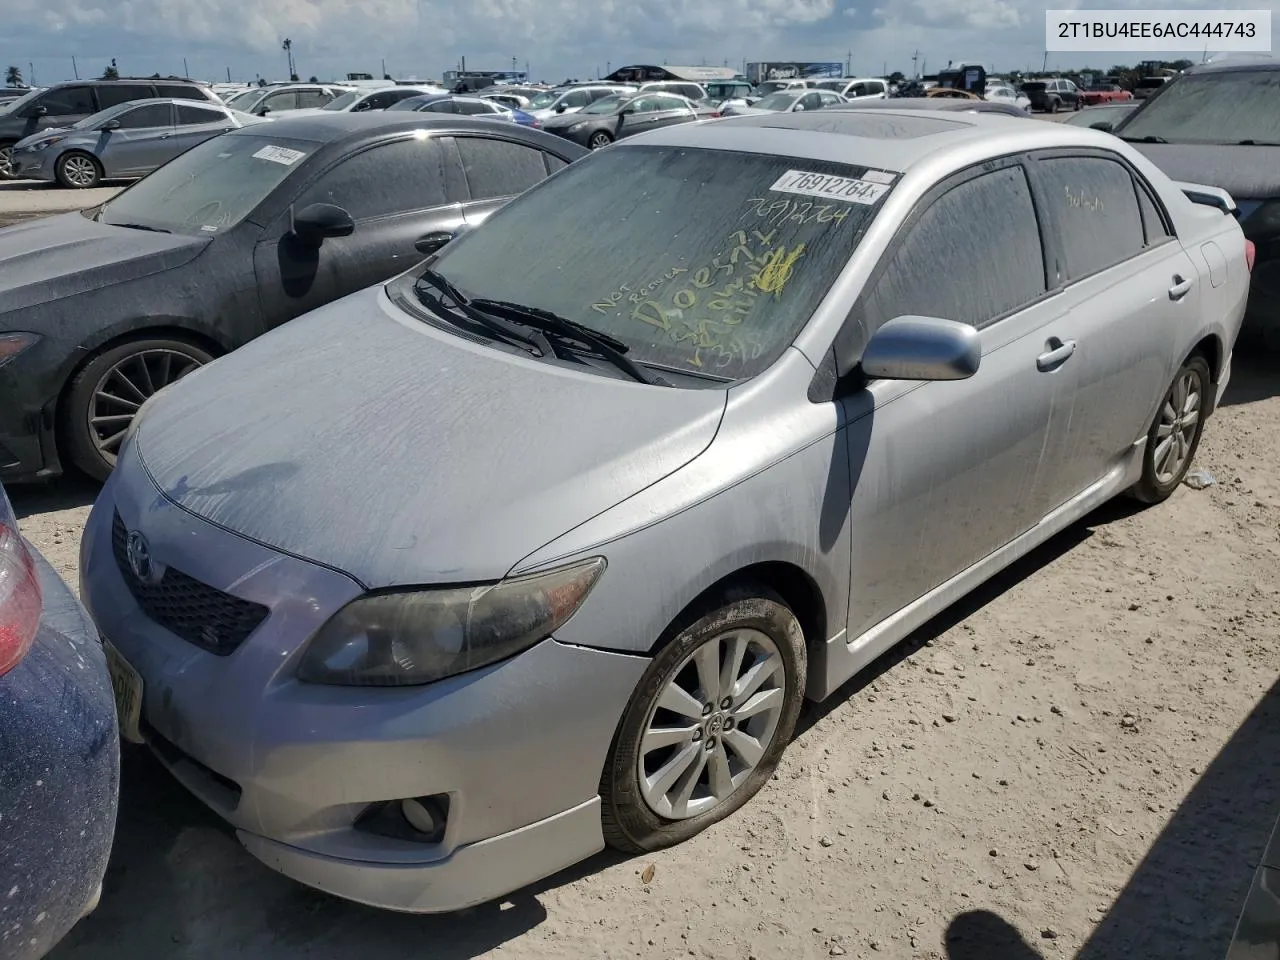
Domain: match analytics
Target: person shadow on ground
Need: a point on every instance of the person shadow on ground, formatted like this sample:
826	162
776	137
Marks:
983	935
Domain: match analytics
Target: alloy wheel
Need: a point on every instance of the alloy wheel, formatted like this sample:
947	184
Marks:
6	163
125	387
599	140
712	724
79	171
1179	417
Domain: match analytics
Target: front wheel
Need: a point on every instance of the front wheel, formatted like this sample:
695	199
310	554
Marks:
707	724
104	396
77	170
1175	435
6	161
1053	106
599	139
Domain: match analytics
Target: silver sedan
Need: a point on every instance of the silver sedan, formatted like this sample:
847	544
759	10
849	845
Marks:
443	587
126	141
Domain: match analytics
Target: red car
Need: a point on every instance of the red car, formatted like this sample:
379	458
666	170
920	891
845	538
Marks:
1104	93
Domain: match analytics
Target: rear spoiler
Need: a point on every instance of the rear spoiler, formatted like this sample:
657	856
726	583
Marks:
1209	196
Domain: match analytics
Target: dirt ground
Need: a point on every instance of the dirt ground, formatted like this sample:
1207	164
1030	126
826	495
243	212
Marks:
1080	760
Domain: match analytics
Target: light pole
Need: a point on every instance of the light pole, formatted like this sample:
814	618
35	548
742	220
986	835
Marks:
287	46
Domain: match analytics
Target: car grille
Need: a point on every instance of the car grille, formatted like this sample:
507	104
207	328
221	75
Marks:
195	611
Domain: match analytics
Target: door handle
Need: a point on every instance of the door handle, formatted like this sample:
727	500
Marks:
1180	288
1057	354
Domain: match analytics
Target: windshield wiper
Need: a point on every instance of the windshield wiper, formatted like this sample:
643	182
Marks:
139	226
504	332
610	348
1149	138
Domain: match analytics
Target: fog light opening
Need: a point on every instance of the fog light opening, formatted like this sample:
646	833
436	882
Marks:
421	815
414	819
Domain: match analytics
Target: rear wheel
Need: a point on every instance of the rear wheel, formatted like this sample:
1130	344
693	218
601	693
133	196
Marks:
77	170
1053	105
599	139
1175	435
104	396
707	723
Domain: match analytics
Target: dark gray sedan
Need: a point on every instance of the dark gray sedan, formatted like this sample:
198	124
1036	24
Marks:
123	142
622	115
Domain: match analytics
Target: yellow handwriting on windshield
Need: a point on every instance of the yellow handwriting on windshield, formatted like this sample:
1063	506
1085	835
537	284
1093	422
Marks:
774	275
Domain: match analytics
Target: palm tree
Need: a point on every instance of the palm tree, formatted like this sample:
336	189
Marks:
111	73
13	78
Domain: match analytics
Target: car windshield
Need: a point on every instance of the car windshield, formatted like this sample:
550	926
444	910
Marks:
210	188
244	101
705	262
836	85
1219	108
1034	87
609	104
782	100
545	99
344	101
771	86
1150	83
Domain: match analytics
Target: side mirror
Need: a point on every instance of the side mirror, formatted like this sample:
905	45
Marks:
922	348
263	110
110	125
319	221
432	242
40	111
560	108
1105	126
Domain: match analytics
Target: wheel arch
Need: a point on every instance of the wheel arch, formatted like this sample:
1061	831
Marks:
1211	348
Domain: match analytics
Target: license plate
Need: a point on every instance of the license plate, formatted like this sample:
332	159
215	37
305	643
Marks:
127	684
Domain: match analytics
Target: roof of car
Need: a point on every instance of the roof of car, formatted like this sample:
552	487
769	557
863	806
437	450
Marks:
947	104
893	140
1231	65
339	126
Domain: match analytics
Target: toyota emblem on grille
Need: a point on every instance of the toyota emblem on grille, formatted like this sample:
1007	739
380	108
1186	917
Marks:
138	552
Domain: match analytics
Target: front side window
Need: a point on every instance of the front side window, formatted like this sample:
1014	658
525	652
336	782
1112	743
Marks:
115	93
210	188
387	179
279	102
702	261
473	108
610	104
916	281
312	99
151	115
1095	210
68	101
344	102
578	98
810	101
180	91
782	100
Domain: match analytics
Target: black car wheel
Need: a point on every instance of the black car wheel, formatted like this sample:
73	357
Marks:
104	396
78	171
599	139
6	161
1054	104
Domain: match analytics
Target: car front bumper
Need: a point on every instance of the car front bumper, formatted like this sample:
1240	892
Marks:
32	165
517	748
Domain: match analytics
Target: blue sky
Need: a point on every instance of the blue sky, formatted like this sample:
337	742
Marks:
558	38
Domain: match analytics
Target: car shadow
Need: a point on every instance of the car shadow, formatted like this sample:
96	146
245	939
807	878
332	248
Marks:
1255	374
180	885
65	493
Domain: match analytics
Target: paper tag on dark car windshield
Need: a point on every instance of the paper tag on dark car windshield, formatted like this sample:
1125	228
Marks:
828	187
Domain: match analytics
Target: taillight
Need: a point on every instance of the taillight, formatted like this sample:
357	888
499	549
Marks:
1250	253
20	600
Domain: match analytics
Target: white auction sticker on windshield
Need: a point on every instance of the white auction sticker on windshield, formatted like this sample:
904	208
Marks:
829	187
280	155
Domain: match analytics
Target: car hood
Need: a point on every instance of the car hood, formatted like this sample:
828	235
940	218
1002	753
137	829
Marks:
1247	173
366	440
46	132
57	257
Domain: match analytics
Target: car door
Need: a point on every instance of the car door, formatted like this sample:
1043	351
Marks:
828	99
396	192
142	141
1127	287
60	107
494	170
282	101
947	472
196	124
810	101
638	115
670	110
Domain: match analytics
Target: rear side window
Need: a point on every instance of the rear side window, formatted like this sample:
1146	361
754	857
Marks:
499	168
180	91
472	107
1094	209
114	94
308	99
388	179
189	116
151	115
920	278
1152	222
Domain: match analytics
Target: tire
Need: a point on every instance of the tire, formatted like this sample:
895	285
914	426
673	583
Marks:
635	820
1078	105
1053	105
1160	476
6	161
599	139
92	447
77	170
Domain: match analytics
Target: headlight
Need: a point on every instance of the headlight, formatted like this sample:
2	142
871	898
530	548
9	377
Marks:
416	637
577	126
44	144
12	344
